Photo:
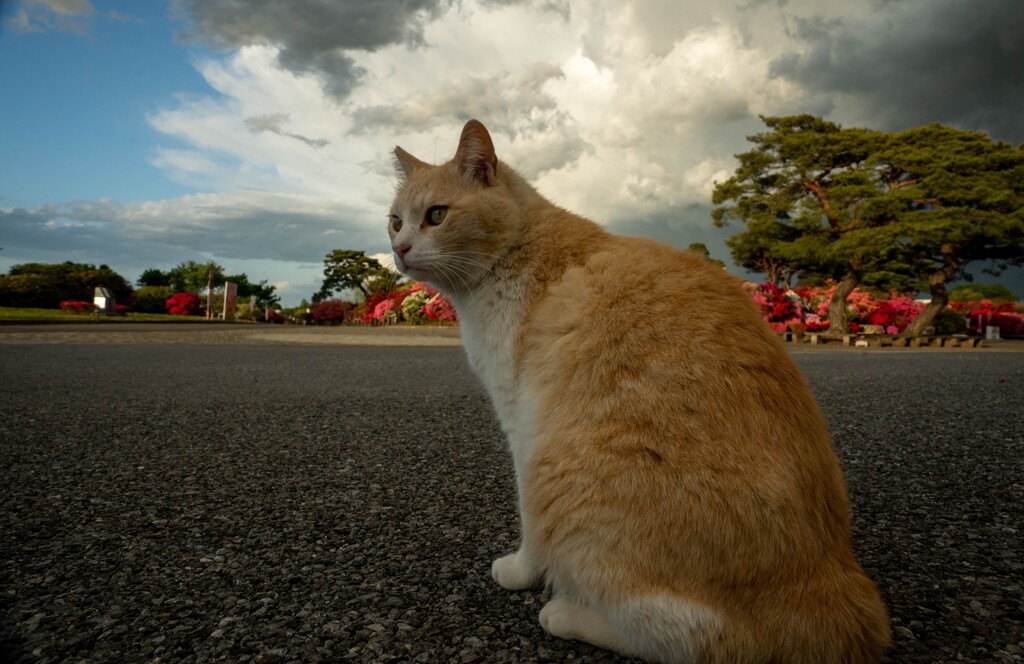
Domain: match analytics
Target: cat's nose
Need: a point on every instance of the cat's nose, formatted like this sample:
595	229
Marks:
402	249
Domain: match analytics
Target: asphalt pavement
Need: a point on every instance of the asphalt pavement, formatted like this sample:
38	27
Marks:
283	503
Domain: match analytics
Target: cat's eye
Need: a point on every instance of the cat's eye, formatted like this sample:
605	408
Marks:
436	214
396	223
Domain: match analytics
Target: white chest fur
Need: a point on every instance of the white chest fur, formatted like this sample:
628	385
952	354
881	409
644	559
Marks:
490	328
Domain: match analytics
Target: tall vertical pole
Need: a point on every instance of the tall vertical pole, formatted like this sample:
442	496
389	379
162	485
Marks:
209	293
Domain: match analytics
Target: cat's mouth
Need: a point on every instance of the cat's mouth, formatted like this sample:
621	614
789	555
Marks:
410	268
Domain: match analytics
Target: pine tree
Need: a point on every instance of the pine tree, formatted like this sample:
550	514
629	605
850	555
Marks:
905	210
346	268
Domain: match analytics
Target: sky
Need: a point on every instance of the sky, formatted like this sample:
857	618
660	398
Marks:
258	133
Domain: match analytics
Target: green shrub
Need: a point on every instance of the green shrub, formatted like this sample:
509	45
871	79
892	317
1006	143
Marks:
152	299
412	306
948	322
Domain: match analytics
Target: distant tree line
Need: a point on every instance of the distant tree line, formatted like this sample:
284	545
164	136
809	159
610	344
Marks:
42	285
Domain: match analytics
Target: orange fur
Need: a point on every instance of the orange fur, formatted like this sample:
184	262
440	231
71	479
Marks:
678	488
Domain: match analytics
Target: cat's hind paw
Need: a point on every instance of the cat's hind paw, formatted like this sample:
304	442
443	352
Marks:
565	619
512	573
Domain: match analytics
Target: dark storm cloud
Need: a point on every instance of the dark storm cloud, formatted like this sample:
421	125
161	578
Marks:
679	226
920	61
313	35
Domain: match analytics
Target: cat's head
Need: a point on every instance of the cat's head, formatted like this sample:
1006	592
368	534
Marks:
450	223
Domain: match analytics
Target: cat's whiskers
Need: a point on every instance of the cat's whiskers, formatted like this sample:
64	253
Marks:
495	258
448	271
457	254
465	260
392	282
451	263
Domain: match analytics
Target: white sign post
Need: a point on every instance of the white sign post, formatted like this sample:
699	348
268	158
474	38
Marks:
104	300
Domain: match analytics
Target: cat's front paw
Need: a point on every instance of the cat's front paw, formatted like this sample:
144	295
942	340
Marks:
513	573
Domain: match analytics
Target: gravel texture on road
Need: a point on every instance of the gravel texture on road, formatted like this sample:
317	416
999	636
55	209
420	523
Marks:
344	503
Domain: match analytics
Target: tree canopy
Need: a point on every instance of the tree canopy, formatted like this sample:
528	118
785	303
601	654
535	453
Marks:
153	277
962	200
193	277
346	269
862	207
978	292
702	249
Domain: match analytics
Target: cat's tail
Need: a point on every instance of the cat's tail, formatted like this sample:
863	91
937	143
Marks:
838	619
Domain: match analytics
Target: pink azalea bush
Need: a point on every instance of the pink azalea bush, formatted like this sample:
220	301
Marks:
380	312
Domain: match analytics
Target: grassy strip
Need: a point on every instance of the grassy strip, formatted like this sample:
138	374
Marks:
26	314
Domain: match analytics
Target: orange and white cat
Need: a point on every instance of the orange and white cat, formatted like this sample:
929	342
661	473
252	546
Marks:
678	489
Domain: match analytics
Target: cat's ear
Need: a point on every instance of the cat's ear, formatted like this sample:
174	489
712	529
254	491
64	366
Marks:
475	156
407	163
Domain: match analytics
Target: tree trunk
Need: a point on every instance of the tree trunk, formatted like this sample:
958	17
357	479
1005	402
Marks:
940	297
939	301
209	293
837	324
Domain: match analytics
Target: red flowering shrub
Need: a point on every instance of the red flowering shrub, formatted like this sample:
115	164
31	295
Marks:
1010	325
184	304
986	307
331	312
379	303
806	308
895	314
440	309
779	308
122	309
365	311
77	307
986	312
816	299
